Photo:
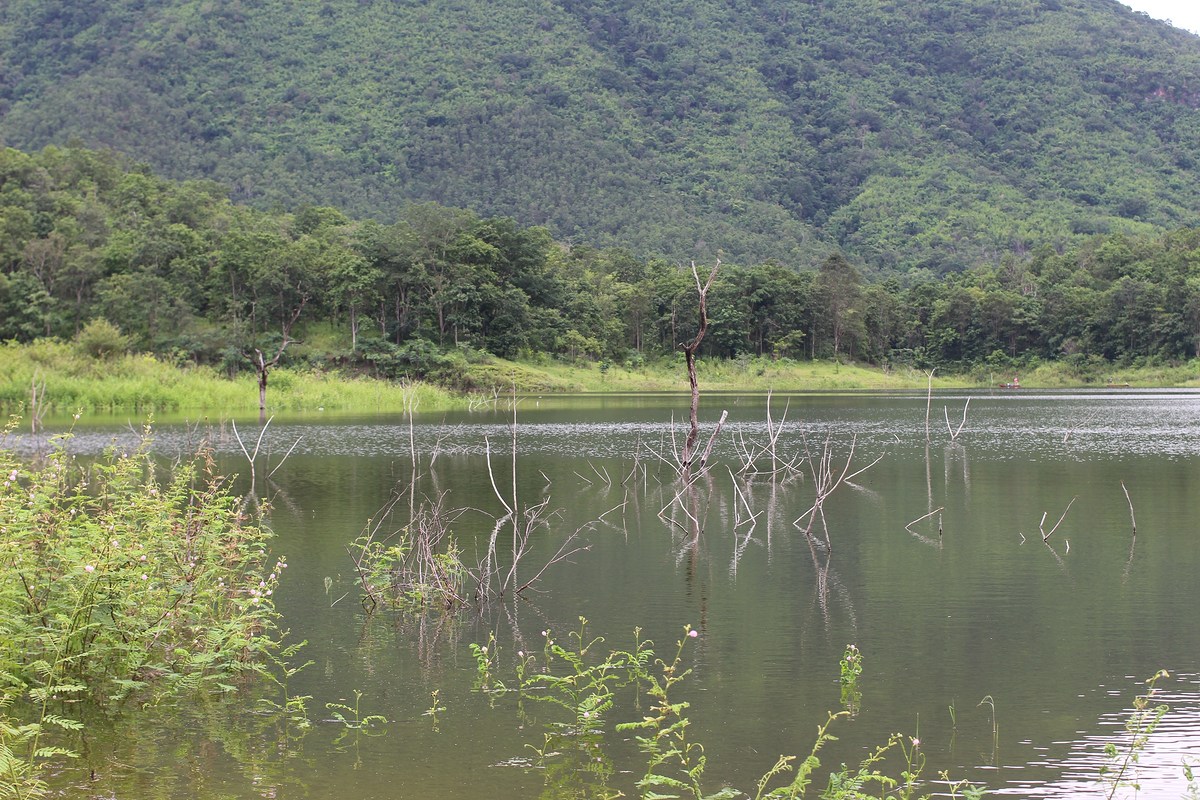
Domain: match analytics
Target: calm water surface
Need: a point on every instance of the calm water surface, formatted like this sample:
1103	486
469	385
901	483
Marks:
1059	635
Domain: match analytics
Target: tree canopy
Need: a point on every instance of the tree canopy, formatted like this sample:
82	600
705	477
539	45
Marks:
931	134
90	242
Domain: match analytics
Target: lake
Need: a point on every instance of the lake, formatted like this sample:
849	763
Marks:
932	562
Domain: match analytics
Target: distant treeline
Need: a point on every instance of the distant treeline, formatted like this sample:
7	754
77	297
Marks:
188	275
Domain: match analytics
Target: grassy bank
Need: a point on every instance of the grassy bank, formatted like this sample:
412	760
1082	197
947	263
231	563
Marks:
752	375
68	380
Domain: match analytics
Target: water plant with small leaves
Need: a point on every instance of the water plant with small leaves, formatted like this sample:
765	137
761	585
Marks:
851	667
574	758
1142	721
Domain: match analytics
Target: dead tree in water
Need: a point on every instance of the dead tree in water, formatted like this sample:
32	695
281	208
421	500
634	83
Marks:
689	355
262	366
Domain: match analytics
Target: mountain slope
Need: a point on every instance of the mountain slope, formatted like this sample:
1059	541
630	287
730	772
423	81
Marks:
924	133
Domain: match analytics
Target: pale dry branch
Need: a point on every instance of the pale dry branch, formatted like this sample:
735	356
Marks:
1045	535
954	433
826	480
908	527
1132	520
487	449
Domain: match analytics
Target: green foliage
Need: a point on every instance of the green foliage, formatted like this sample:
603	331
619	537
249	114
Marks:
1141	723
100	339
440	293
581	682
415	567
352	717
117	582
851	668
935	137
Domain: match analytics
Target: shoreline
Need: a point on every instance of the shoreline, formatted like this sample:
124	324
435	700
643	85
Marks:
49	378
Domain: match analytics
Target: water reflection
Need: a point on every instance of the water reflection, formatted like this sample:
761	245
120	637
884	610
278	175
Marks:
1159	770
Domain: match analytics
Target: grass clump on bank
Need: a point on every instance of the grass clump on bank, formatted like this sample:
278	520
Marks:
119	581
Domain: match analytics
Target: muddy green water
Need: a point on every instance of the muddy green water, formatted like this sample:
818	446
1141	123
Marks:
1058	634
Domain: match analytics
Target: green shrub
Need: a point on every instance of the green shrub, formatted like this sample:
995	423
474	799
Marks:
116	582
101	339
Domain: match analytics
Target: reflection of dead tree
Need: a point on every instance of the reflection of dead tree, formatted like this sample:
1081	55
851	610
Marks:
768	516
689	355
825	579
37	404
686	490
1062	565
925	539
826	480
955	451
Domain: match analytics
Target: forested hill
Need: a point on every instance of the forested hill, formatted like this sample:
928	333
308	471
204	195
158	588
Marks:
911	133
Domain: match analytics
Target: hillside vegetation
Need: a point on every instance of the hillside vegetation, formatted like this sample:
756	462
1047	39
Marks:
933	134
104	253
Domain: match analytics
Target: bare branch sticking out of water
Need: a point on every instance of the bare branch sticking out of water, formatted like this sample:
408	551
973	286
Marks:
678	500
750	452
826	480
1132	519
601	473
712	439
954	433
1045	535
751	517
487	452
1079	425
908	527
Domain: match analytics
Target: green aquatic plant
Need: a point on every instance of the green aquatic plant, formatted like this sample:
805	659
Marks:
435	707
351	716
587	684
415	567
1139	725
851	667
583	681
485	656
121	579
292	707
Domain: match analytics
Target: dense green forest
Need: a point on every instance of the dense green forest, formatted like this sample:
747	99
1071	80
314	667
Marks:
925	134
189	275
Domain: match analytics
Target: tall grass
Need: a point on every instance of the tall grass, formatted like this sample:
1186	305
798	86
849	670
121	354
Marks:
140	383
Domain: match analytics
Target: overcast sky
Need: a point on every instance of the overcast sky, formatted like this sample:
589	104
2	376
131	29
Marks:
1184	13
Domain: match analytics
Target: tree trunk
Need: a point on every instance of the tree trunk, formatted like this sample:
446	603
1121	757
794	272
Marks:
262	368
689	355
